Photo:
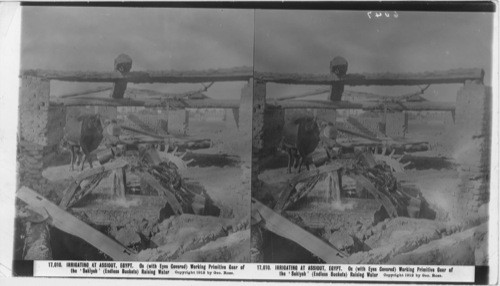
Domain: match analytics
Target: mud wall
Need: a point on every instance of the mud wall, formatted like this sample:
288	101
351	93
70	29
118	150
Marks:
396	124
259	106
471	145
40	130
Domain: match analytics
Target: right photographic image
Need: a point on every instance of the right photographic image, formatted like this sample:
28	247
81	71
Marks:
371	137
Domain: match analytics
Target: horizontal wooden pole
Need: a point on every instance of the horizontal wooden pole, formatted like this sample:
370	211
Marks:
435	77
411	106
191	103
169	76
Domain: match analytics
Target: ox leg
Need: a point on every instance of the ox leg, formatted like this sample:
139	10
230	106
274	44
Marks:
86	157
306	162
296	158
78	156
83	162
301	159
290	159
72	158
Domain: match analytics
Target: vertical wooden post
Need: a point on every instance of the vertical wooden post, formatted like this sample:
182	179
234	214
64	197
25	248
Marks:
123	64
119	183
186	122
338	69
333	186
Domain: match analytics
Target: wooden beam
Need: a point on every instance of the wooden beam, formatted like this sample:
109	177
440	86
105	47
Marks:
283	227
411	106
154	135
87	189
435	77
172	201
357	134
70	224
294	179
68	194
70	191
190	103
165	76
96	90
379	196
118	163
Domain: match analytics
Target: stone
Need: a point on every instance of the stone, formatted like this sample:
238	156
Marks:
342	241
127	236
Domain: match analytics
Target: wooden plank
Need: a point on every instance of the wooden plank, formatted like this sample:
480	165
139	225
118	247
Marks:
172	201
293	179
70	224
118	163
435	77
302	192
166	76
283	227
334	166
323	104
379	196
152	102
94	182
68	194
283	198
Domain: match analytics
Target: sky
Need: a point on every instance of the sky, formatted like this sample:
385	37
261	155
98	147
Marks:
68	38
305	41
76	38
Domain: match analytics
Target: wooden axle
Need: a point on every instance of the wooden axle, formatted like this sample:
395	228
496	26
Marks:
194	103
435	77
165	76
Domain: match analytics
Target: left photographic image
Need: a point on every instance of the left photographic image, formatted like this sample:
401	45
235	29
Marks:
134	137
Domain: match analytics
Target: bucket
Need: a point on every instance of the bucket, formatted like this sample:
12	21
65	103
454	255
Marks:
104	156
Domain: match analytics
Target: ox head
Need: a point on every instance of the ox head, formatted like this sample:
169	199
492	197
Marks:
311	124
329	130
96	121
338	66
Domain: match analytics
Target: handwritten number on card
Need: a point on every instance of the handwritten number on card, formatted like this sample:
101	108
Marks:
371	14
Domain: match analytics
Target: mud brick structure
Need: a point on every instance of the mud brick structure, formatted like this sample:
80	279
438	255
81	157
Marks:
178	121
259	106
41	129
245	112
396	124
471	144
